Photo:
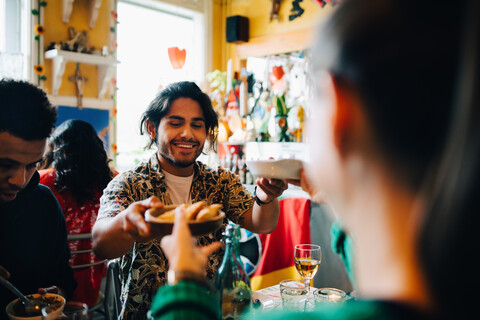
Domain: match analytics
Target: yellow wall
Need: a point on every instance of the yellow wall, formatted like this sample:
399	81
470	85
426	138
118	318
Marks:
56	31
258	13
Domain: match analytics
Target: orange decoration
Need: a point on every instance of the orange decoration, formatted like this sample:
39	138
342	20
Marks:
39	29
177	57
39	69
278	72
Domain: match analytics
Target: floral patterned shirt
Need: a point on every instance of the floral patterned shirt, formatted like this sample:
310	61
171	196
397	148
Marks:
144	266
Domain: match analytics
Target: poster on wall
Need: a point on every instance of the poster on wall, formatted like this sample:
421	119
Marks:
98	118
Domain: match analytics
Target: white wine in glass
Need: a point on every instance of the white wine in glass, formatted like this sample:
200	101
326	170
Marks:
307	261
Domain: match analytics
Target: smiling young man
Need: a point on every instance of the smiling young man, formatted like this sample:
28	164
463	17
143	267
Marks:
179	121
33	234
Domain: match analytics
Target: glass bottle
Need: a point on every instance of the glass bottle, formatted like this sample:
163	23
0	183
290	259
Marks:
231	281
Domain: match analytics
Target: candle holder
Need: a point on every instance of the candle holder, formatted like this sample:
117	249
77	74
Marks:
329	295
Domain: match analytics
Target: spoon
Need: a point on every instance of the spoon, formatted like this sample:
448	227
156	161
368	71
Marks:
32	306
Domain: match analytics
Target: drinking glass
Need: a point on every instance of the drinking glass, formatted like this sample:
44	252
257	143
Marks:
307	261
73	310
294	295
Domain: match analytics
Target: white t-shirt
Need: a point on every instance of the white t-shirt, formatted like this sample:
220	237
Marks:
178	188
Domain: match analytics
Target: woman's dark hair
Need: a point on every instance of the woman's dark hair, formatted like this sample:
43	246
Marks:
25	110
402	58
80	160
160	106
449	241
416	68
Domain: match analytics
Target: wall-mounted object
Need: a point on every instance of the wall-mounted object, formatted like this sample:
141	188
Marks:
67	7
105	66
237	29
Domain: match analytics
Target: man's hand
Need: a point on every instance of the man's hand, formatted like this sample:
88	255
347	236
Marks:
133	219
270	189
180	248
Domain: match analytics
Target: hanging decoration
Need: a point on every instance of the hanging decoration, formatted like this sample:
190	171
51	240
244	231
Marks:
296	10
39	31
278	72
322	3
275	10
177	57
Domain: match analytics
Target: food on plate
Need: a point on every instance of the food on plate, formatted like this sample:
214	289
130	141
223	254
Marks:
198	211
209	212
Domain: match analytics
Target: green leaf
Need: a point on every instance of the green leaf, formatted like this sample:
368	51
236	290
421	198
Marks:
35	12
112	29
37	37
43	3
43	78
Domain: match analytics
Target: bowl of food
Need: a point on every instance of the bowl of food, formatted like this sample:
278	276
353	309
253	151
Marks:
202	218
16	310
277	169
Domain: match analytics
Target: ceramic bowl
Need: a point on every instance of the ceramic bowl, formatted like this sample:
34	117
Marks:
14	312
276	169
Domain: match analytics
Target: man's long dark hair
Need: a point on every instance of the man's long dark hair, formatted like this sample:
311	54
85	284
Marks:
161	104
80	160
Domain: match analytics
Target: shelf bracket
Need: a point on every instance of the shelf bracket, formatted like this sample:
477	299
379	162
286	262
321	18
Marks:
58	70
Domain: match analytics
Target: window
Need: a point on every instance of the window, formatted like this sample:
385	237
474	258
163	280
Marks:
145	31
15	39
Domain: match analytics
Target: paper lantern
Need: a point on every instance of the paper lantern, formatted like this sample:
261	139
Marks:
177	57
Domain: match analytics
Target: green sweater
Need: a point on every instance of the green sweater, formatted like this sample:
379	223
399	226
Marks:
189	300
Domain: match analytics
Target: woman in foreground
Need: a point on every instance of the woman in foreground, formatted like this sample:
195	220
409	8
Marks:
395	147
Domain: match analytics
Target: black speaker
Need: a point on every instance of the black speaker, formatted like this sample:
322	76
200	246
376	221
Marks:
237	29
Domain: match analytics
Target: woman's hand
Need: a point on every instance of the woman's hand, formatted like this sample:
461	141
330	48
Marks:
180	248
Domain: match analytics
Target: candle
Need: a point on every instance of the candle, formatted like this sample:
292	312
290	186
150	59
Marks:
331	295
229	76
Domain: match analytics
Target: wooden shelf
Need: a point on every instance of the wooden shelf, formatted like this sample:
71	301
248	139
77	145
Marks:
105	65
67	6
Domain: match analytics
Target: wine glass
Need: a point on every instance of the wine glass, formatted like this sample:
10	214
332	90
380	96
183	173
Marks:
307	261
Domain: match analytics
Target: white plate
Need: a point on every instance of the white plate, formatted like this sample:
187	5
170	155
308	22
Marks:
277	169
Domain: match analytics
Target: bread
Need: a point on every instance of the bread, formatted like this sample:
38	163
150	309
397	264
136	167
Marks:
199	211
209	212
194	209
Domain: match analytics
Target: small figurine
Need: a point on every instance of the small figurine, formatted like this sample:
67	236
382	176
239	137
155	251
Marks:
275	9
296	10
78	41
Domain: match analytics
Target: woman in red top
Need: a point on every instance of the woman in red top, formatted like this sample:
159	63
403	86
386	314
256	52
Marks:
76	169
